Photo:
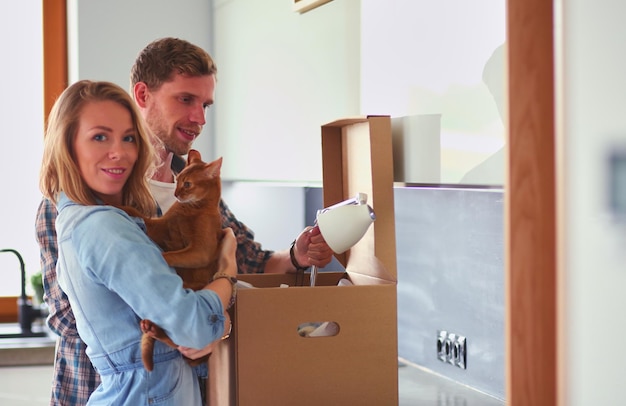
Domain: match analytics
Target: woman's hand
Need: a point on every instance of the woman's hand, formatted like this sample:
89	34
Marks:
227	262
223	282
193	353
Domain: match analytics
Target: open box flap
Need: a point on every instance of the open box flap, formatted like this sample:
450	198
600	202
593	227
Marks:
350	120
357	157
364	267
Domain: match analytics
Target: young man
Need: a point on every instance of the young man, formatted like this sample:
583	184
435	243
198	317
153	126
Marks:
173	83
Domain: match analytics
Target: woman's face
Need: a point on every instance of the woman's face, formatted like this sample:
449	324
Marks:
106	148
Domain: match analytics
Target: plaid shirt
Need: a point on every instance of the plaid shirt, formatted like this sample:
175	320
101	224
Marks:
74	376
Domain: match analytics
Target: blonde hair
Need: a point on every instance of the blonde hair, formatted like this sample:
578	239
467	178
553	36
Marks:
59	170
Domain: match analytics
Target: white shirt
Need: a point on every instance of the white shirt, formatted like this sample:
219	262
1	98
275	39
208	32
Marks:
163	192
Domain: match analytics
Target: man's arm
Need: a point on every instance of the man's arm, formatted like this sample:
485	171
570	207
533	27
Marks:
309	249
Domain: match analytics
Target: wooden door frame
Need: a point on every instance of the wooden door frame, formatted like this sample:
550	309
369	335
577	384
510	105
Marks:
530	214
55	77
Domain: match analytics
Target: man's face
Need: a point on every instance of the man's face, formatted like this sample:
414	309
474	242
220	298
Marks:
176	111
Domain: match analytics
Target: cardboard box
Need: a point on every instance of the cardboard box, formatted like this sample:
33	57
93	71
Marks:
273	364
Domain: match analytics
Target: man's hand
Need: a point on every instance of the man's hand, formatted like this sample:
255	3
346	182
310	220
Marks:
311	248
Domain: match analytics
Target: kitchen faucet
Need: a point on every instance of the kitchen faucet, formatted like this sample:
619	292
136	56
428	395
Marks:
26	313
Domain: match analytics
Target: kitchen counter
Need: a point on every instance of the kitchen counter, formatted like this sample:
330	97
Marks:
30	386
20	351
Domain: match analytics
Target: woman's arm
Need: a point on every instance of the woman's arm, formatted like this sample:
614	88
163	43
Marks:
123	259
227	265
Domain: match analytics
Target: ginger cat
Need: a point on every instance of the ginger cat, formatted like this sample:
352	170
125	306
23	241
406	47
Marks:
189	233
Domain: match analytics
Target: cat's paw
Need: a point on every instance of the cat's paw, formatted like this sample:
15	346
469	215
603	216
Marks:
152	330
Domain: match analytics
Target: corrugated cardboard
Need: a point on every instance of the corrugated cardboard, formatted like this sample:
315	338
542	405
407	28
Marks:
357	157
272	363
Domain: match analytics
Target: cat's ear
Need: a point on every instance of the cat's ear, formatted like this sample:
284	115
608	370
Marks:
215	168
193	156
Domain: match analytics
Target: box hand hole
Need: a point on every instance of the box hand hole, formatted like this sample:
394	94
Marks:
318	329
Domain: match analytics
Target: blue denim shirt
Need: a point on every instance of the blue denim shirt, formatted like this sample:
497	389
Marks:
114	276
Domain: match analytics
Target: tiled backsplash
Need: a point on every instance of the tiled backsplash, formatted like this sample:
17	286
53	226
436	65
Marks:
450	247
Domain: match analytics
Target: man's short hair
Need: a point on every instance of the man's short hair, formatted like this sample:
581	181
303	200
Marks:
162	58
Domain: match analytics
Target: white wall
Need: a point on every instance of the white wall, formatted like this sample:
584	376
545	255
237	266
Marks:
591	106
21	114
425	58
282	75
274	212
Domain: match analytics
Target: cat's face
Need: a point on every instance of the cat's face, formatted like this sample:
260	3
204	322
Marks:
198	180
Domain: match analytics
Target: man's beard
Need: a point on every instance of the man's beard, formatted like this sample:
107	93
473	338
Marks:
173	144
170	141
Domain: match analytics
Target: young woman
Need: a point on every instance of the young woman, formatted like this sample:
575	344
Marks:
97	154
